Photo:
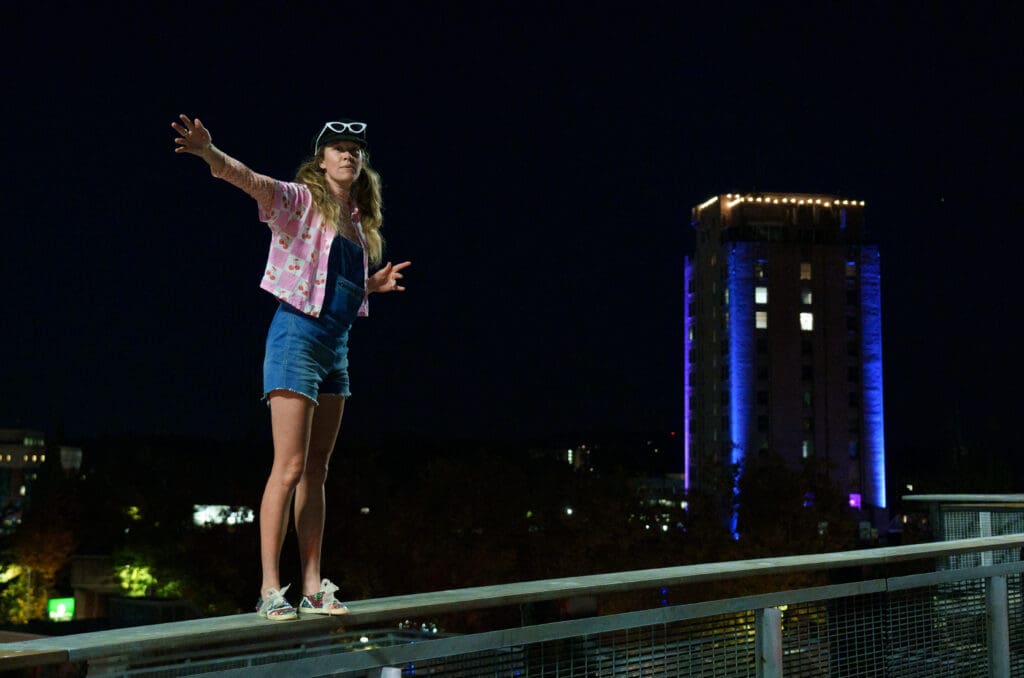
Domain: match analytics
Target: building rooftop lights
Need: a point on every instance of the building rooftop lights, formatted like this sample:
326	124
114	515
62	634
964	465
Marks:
735	199
710	201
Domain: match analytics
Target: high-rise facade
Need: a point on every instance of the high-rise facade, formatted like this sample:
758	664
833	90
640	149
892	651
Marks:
783	341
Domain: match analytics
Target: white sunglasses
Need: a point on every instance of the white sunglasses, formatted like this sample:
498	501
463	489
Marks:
341	127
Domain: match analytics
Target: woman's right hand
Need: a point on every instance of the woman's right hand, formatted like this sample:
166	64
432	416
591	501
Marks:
194	139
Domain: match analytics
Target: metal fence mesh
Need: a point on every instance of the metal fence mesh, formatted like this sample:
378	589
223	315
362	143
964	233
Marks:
938	631
922	633
703	648
842	637
968	523
1015	609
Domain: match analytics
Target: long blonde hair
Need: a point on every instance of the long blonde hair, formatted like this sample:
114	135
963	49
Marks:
365	193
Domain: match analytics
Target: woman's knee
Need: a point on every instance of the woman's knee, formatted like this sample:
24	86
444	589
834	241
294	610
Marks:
288	471
315	471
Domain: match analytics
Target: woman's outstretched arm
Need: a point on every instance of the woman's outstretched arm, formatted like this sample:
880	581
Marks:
196	139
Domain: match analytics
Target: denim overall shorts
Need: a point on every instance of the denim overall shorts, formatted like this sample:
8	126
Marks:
308	355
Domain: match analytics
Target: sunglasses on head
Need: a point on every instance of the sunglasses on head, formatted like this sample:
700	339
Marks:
341	128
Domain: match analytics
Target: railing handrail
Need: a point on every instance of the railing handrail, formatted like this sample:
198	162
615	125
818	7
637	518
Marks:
248	628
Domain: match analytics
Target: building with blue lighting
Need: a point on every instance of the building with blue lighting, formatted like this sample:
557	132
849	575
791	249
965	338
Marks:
783	342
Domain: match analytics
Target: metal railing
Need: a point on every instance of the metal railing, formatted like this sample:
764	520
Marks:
939	622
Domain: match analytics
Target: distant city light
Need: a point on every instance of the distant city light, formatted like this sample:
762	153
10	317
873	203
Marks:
365	510
60	609
214	514
363	639
568	510
854	500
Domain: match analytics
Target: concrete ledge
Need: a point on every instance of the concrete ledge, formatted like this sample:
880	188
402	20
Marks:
239	629
22	659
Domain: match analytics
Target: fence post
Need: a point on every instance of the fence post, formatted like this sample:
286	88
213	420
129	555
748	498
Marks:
998	627
768	642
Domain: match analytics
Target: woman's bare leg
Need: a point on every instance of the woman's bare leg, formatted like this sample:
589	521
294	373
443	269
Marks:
291	417
309	494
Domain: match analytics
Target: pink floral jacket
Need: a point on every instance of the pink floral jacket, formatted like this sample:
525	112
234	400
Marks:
300	246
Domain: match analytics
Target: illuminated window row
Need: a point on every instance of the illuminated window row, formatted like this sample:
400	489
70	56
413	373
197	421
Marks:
37	458
761	296
806	321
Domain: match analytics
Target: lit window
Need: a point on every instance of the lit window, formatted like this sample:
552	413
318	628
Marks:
805	449
854	500
761	320
805	297
760	270
725	296
807	322
851	269
805	270
760	295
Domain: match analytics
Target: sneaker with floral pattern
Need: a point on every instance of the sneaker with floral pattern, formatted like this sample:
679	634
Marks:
275	607
323	601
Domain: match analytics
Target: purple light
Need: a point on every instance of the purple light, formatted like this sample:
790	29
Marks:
854	500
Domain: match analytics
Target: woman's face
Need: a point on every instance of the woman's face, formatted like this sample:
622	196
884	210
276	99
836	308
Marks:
342	163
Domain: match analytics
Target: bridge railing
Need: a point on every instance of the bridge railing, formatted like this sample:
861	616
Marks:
938	621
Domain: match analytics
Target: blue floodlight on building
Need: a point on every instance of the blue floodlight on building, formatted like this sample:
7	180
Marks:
688	371
738	323
871	347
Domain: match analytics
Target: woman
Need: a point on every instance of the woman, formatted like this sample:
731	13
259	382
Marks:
325	233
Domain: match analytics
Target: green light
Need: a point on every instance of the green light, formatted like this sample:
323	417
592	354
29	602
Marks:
61	609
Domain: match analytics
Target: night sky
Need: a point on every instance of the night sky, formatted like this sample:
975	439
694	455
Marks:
539	162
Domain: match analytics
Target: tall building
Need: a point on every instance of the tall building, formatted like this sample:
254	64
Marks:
783	341
22	453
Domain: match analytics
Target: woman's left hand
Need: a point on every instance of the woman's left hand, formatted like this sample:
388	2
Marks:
386	279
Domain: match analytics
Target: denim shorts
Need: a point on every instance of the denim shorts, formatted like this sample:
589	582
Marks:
308	355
